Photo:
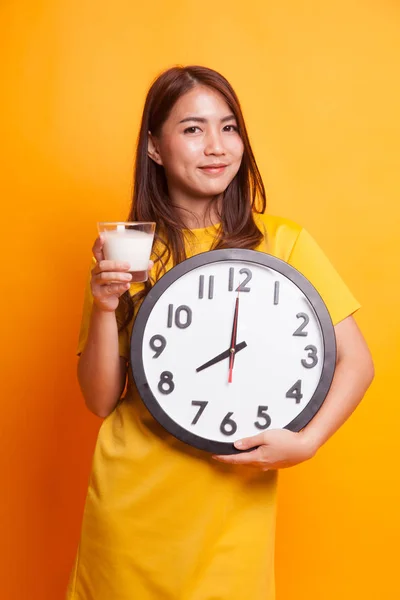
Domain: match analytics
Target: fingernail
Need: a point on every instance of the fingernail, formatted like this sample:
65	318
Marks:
239	444
126	265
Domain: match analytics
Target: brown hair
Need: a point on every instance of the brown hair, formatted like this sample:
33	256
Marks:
151	202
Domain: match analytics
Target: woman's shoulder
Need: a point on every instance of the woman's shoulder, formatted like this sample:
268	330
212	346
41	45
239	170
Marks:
280	234
274	223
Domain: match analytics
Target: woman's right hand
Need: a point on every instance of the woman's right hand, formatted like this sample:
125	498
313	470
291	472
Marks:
110	279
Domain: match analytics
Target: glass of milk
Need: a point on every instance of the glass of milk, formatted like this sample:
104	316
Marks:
129	242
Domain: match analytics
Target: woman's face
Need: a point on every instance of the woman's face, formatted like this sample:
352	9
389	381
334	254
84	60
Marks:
199	146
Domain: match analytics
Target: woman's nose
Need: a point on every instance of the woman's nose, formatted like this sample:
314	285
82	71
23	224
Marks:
214	143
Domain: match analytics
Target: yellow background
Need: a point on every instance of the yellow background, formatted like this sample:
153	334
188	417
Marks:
319	85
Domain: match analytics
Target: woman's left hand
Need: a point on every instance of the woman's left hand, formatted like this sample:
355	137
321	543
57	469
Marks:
277	449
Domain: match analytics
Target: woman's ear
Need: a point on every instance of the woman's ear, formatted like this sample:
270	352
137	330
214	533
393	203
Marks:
152	149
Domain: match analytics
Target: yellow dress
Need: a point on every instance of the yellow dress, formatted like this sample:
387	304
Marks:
163	521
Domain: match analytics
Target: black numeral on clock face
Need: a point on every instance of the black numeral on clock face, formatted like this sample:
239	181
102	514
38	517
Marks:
295	392
166	385
228	425
160	347
242	287
262	414
202	406
180	321
299	331
210	287
312	355
276	293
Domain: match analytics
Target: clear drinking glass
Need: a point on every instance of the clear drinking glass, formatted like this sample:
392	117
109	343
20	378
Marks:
129	242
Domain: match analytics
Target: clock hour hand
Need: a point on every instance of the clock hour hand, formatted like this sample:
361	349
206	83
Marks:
222	356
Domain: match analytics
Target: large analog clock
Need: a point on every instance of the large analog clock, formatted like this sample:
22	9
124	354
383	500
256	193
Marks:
230	343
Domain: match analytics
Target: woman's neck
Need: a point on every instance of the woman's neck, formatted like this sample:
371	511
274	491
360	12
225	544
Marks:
199	212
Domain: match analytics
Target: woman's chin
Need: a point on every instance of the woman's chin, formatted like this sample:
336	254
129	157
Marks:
215	189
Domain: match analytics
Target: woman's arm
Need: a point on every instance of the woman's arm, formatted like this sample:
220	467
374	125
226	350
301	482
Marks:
101	371
353	375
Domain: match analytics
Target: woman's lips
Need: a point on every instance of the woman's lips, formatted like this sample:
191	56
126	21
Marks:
214	170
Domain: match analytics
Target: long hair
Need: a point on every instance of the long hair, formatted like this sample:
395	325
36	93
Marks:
244	195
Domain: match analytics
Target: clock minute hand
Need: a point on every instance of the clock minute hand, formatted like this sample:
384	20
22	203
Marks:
221	356
233	339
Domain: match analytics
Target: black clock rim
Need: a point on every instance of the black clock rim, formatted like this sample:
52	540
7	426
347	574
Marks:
230	254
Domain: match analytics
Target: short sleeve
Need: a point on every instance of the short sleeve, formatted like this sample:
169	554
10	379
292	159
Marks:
123	336
308	258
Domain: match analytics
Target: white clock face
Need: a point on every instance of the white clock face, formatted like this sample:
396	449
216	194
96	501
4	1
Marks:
187	360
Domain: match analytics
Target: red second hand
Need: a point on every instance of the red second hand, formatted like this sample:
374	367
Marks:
230	367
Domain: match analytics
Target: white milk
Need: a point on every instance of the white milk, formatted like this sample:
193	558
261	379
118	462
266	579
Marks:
128	245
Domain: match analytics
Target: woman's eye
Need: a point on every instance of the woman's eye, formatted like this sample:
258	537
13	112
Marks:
191	129
227	128
230	128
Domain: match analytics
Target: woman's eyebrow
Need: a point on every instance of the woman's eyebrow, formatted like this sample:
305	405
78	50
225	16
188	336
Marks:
202	120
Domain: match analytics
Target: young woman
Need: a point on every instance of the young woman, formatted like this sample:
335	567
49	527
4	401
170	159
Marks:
162	520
